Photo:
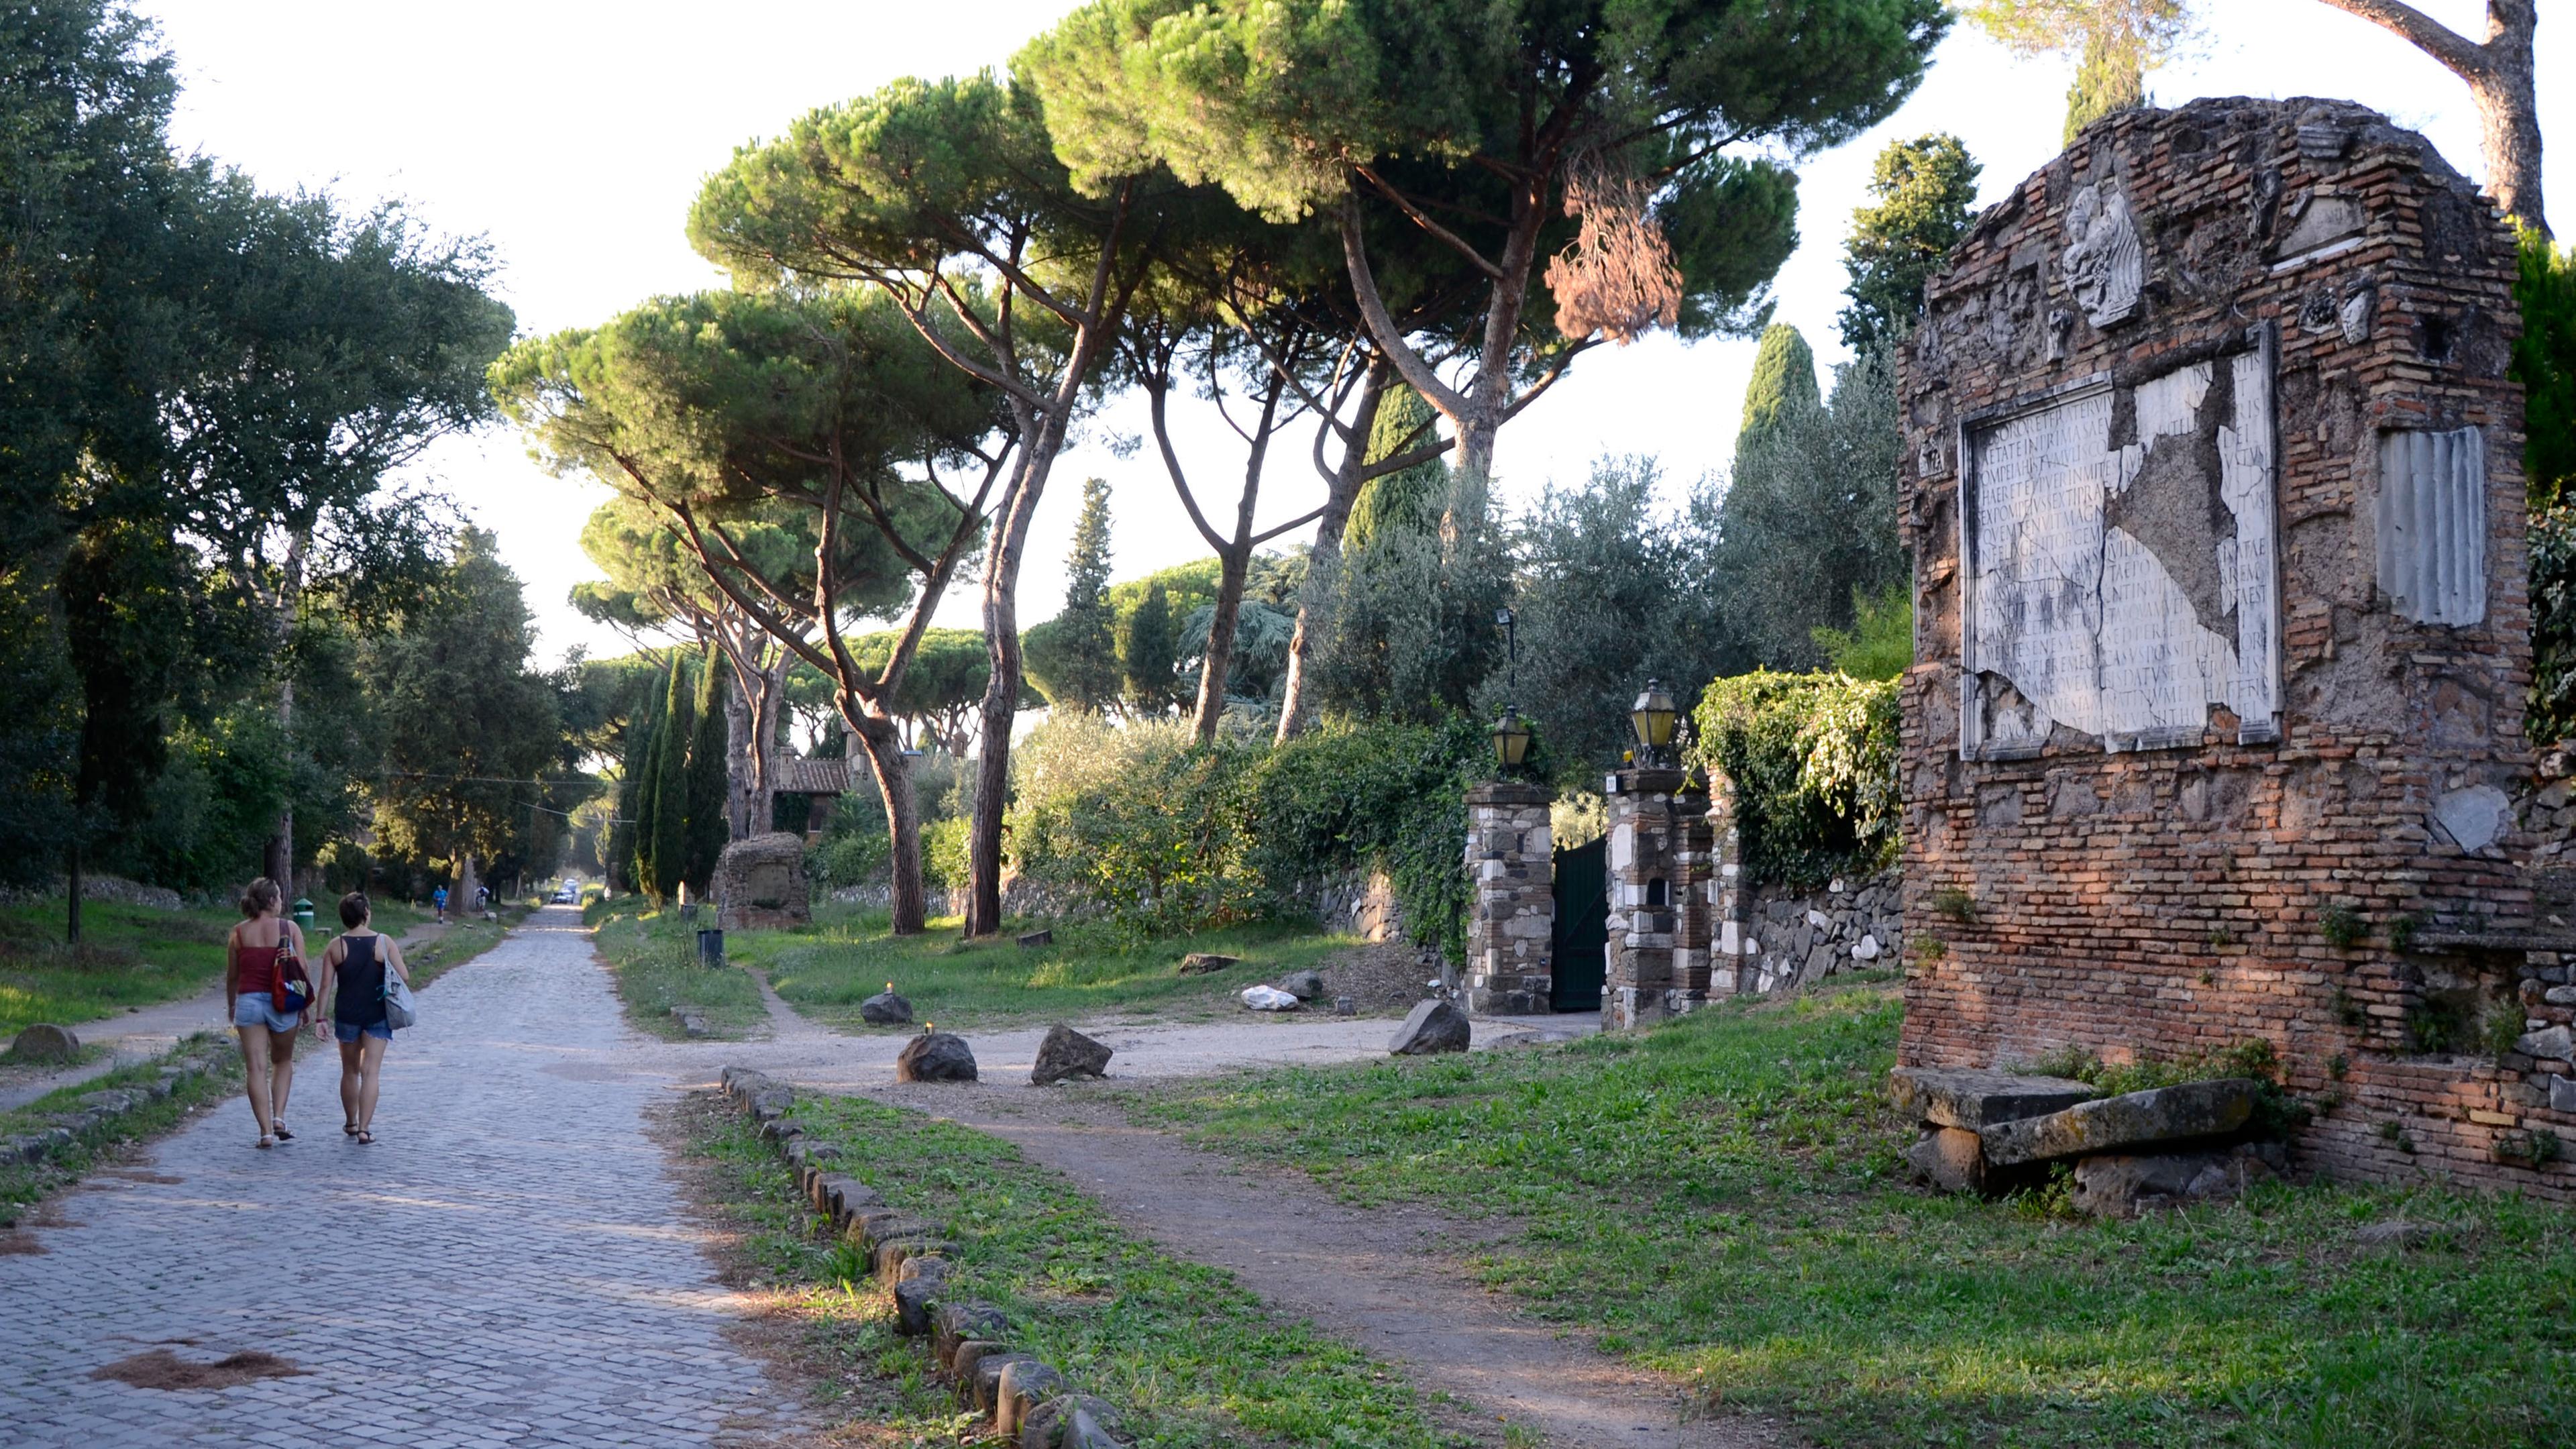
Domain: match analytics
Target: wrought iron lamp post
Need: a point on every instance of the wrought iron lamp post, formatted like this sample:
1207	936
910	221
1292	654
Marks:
1511	732
1652	718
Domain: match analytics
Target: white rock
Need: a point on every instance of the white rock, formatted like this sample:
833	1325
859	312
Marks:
2475	817
1867	950
1837	887
1268	998
1819	919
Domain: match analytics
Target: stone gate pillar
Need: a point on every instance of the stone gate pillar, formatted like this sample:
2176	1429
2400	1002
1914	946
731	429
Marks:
1511	858
1646	839
1726	897
1693	923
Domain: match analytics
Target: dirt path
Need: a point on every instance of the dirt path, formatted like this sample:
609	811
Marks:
1389	1280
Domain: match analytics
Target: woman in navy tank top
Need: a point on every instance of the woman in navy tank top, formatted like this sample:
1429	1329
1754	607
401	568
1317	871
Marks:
353	981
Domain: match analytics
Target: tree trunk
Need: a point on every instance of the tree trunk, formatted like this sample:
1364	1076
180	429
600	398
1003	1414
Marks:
277	862
767	704
1002	691
877	734
1232	565
2509	128
2502	83
1342	493
741	734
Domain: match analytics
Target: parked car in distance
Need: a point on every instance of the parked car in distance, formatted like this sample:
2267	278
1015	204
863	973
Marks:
568	895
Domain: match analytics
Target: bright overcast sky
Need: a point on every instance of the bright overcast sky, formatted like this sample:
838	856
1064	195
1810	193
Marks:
574	136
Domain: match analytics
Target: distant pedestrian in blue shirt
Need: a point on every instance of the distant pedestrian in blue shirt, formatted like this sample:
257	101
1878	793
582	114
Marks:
438	898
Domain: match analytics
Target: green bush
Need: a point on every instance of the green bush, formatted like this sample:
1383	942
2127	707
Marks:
1813	758
1167	835
943	852
847	860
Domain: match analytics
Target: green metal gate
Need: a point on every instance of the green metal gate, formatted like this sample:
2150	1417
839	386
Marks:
1578	948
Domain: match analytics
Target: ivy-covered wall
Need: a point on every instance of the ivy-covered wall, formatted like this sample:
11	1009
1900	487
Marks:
1813	758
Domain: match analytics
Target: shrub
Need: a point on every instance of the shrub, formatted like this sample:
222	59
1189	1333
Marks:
847	860
1169	836
943	853
1813	758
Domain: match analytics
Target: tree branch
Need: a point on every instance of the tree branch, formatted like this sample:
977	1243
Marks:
1447	237
1417	373
2454	50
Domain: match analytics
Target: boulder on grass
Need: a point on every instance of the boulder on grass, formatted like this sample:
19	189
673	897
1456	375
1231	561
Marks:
46	1042
1202	963
2184	1112
935	1056
1268	998
886	1009
1433	1026
1068	1053
1950	1158
1304	985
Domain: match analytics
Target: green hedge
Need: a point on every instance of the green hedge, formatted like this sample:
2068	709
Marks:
1813	758
1169	836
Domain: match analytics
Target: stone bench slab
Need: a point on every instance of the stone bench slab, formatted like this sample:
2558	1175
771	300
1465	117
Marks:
1973	1100
2185	1112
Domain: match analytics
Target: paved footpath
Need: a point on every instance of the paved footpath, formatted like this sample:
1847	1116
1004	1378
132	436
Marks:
507	1265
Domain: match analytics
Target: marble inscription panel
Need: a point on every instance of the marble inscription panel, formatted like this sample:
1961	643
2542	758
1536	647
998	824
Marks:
2122	586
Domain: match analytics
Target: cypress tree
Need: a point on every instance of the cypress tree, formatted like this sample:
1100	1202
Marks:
669	821
708	828
1784	383
1410	500
2108	80
1090	642
643	738
1149	654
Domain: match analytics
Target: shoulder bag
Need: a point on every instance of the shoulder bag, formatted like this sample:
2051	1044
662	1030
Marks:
290	991
401	1009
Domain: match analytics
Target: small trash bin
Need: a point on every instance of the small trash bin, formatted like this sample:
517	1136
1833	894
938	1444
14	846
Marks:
304	913
711	947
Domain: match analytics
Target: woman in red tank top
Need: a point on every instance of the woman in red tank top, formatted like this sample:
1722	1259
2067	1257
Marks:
267	1035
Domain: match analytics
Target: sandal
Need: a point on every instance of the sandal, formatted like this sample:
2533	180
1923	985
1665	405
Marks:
282	1134
348	1129
365	1137
265	1142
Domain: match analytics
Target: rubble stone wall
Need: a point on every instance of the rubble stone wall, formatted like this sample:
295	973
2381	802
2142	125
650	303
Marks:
2213	486
1799	938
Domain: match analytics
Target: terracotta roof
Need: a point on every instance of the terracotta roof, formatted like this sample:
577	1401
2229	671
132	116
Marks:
814	777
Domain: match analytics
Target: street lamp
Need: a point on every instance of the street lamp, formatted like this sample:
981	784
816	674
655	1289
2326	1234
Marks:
1511	732
1652	718
1511	739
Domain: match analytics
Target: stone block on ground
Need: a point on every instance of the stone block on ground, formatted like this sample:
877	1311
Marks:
955	1323
886	1009
962	1361
1069	1421
1432	1026
2393	1233
760	884
1026	1383
1201	963
1972	1099
915	1300
1952	1159
2185	1112
1346	1006
46	1043
1304	985
1034	939
935	1056
771	1100
1068	1053
984	1390
2119	1185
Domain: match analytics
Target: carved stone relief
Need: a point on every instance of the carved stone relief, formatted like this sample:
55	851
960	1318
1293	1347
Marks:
2105	267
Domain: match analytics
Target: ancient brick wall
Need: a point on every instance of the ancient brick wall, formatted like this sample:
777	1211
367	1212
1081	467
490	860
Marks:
2214	494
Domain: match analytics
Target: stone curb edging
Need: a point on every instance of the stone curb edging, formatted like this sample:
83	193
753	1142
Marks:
195	1056
1031	1404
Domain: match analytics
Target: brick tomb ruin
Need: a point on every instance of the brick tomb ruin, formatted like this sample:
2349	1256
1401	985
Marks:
2214	492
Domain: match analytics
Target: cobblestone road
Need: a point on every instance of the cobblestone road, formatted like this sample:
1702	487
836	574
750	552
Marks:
507	1265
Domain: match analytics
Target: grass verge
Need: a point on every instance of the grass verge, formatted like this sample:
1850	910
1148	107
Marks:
129	956
1723	1199
464	940
1188	1356
653	958
24	1185
825	970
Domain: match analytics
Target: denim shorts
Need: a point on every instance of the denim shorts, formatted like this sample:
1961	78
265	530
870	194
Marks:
253	1008
348	1033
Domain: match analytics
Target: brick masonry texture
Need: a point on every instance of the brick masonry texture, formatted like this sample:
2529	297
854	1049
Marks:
2172	899
507	1265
